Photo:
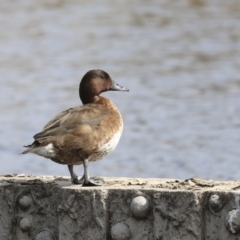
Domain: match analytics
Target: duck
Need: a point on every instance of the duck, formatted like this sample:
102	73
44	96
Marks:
85	133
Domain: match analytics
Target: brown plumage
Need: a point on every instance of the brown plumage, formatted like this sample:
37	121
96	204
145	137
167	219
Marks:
84	133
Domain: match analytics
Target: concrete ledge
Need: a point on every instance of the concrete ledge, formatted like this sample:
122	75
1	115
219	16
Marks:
50	208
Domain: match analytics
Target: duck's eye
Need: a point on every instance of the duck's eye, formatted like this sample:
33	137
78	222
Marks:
102	77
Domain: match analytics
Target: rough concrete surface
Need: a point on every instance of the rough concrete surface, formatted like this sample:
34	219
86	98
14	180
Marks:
51	208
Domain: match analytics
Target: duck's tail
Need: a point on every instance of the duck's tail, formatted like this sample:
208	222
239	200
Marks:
30	147
44	149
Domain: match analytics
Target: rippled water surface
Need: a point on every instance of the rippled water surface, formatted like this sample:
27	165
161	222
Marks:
180	59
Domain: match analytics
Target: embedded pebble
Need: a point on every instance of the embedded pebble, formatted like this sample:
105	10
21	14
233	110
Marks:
120	231
25	202
44	235
140	207
233	221
25	224
214	202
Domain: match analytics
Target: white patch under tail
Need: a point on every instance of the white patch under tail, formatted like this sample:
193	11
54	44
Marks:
47	151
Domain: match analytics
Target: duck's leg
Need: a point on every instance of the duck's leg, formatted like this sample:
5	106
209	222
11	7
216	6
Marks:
86	179
74	177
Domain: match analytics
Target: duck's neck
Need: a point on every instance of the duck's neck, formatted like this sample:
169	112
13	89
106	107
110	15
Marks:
111	108
106	102
99	100
89	99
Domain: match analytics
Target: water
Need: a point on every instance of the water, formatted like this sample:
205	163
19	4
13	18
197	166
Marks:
180	60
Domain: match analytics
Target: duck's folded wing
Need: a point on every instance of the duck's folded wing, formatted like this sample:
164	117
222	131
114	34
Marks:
66	121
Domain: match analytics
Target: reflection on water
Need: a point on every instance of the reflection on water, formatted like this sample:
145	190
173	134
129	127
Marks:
180	60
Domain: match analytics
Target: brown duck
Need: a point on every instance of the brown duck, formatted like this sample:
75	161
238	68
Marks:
83	134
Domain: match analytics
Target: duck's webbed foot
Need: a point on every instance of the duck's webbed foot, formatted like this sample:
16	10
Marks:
74	177
75	180
90	183
87	182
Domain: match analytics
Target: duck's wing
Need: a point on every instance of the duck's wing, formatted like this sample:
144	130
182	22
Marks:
66	121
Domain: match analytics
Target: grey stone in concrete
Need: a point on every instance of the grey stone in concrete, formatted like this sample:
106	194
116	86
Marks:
140	207
130	214
36	209
26	208
222	216
25	202
45	235
51	208
120	231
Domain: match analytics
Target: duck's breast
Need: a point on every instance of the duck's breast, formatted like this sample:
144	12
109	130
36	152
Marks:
112	142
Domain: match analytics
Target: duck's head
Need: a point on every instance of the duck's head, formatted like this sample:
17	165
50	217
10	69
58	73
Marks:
94	82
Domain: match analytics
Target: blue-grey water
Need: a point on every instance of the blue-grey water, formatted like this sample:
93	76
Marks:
180	60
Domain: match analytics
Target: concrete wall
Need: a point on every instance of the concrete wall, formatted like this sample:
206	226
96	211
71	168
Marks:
50	208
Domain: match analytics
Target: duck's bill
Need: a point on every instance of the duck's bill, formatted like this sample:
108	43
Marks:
116	87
